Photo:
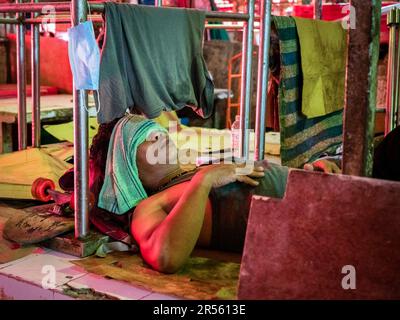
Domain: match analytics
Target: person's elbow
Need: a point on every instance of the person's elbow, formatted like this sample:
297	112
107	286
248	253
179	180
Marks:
162	259
169	266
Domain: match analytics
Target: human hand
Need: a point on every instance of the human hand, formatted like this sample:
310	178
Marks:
323	165
219	175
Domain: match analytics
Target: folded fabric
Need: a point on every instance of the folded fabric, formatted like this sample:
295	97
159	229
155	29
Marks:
65	131
302	139
323	61
122	189
152	61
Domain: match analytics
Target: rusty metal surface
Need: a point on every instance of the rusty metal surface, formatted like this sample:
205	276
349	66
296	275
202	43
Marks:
361	87
296	248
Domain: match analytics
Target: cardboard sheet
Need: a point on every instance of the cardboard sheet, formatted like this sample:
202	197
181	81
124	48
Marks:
19	169
201	278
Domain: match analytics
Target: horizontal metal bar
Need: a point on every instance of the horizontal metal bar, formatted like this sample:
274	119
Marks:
29	7
9	21
221	26
98	19
386	9
58	20
218	16
99	7
210	15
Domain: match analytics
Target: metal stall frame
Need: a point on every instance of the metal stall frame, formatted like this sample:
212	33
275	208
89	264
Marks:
357	122
78	10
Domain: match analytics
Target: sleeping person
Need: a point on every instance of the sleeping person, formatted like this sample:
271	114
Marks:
172	210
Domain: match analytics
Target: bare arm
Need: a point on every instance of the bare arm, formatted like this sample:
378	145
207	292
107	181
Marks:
167	225
166	235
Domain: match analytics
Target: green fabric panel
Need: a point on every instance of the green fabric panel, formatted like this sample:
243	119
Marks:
152	61
302	139
323	61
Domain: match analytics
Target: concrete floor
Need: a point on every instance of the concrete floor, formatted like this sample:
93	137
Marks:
22	279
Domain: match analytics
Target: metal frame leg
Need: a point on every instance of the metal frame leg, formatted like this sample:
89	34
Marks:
35	82
245	95
397	70
81	176
21	85
262	82
393	79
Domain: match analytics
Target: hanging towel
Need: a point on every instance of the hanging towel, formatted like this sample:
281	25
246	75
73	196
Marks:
302	139
217	34
323	48
122	188
152	61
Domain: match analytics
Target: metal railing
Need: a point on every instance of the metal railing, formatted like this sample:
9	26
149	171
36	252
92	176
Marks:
78	10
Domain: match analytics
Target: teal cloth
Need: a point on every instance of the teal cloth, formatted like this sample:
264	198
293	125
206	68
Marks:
217	34
302	140
122	189
152	61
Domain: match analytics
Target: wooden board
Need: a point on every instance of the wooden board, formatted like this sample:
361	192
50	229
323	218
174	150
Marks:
34	225
10	251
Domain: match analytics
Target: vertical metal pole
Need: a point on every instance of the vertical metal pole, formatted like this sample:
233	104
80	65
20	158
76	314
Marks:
390	75
35	82
397	79
3	27
361	88
393	68
21	84
79	14
245	94
262	81
317	9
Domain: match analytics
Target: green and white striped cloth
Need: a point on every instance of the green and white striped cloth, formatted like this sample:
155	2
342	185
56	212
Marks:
122	189
302	139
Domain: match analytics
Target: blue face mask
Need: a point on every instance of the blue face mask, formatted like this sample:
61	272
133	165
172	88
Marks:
84	56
